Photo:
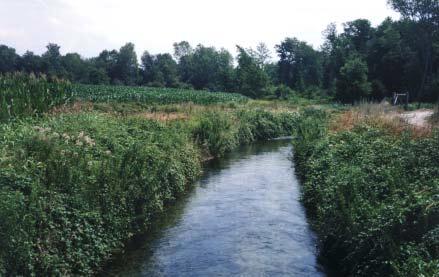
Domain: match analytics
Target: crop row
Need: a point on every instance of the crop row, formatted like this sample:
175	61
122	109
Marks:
103	93
23	94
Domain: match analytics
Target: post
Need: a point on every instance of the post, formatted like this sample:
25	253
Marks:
407	100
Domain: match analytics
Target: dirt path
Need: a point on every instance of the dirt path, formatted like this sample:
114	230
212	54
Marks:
417	118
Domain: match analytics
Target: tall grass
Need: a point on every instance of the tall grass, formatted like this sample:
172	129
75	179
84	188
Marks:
23	94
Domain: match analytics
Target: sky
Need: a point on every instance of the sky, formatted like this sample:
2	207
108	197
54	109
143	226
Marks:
89	26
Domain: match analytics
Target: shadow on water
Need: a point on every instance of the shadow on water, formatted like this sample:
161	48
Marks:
243	217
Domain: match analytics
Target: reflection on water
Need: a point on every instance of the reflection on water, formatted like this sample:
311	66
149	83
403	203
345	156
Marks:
243	218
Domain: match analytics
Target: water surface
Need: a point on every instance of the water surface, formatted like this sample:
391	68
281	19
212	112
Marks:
243	218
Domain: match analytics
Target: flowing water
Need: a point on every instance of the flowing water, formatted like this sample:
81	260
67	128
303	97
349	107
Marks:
243	218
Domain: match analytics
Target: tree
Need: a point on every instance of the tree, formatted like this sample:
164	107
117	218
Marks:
352	84
147	67
126	64
358	33
251	79
387	58
299	64
418	10
208	68
8	59
76	68
52	61
262	54
331	58
425	15
165	70
107	60
182	49
98	76
31	63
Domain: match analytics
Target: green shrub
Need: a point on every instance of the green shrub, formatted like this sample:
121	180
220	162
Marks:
75	187
222	131
217	132
373	199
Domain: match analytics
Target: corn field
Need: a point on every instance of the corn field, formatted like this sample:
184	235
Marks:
22	94
103	93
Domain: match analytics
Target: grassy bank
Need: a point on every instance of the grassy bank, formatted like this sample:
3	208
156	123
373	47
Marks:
371	187
75	186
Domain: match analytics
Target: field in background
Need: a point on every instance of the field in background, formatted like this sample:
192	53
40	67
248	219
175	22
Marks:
150	95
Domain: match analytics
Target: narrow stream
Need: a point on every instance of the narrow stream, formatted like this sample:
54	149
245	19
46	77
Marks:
243	218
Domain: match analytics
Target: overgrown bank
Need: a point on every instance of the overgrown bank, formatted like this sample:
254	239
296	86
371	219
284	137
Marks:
74	187
372	196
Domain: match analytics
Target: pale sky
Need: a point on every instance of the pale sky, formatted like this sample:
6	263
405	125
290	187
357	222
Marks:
89	26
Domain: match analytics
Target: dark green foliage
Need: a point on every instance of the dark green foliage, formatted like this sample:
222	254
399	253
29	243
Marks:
8	59
159	70
126	65
372	197
52	61
251	79
299	64
283	92
352	85
206	67
24	95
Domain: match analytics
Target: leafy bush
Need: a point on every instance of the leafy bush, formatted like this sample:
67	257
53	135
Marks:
221	132
75	187
22	94
217	132
372	197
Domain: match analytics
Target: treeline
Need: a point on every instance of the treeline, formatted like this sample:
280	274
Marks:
362	62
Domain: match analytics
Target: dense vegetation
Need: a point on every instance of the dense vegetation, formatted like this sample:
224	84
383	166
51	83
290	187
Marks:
101	93
373	197
76	186
23	94
362	62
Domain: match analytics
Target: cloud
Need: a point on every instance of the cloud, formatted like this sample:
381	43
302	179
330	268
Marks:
88	26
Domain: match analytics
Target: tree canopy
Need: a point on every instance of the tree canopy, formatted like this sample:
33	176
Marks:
361	61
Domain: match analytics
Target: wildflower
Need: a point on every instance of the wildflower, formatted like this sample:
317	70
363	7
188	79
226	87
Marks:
66	136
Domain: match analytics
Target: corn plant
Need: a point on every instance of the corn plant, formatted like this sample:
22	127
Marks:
22	94
103	93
